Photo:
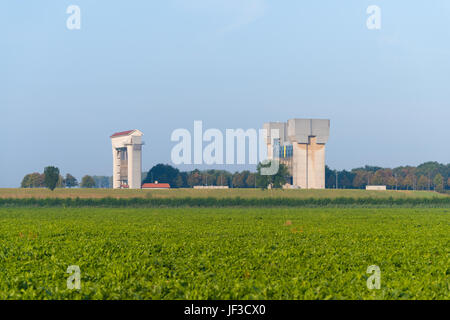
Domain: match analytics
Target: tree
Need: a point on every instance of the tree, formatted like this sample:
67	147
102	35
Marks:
345	179
33	180
87	182
281	177
61	182
360	180
430	169
71	181
274	181
194	178
408	181
382	177
163	173
51	177
26	181
438	182
101	182
239	179
222	178
422	184
179	182
251	180
330	178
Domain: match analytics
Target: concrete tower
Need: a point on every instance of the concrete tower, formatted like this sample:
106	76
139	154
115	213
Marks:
276	133
300	145
127	159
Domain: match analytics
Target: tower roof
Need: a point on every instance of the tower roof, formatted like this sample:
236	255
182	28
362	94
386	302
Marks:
123	133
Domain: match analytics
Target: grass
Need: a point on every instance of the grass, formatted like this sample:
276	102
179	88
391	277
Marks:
224	253
199	193
268	202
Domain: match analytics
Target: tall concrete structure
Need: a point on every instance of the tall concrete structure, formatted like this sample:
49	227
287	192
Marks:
300	145
127	159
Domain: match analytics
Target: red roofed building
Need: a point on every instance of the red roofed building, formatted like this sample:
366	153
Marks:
123	133
156	185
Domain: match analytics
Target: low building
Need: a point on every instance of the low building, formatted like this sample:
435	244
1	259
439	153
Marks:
290	186
156	185
376	188
210	187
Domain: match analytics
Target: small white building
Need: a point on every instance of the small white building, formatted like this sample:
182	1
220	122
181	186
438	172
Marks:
127	159
211	187
376	188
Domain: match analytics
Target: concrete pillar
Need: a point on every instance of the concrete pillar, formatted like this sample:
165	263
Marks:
134	166
299	165
116	168
316	164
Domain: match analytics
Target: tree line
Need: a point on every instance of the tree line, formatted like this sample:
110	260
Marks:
51	179
427	176
245	179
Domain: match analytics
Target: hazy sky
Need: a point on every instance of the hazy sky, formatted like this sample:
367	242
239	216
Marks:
160	65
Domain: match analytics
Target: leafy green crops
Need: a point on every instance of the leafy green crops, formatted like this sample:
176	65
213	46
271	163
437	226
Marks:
224	202
224	253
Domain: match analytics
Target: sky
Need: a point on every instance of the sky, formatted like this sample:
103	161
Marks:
159	65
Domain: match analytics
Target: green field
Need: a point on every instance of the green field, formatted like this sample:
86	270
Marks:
224	253
201	193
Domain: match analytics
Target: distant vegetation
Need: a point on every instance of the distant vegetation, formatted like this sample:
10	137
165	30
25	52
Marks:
87	182
436	202
85	193
51	177
427	176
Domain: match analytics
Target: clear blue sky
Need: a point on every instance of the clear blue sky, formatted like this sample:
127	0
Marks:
160	65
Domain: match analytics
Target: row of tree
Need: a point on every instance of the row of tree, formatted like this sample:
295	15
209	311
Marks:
178	179
427	176
51	178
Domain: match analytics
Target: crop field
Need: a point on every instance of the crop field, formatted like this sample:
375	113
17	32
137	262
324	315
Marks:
224	253
202	193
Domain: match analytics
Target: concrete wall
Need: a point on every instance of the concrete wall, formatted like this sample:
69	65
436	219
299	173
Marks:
277	126
377	188
133	143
